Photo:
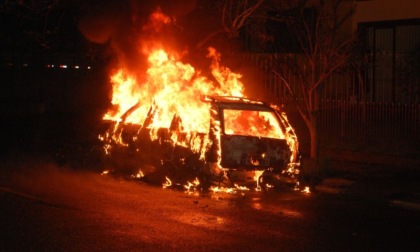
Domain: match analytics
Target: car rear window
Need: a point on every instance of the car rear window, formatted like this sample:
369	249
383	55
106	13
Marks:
252	123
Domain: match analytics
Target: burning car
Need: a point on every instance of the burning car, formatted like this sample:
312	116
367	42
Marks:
247	142
172	124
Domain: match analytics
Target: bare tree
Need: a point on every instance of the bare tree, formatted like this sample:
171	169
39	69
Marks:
315	49
235	14
321	52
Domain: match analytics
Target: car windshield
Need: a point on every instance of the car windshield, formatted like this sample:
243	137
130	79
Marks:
252	123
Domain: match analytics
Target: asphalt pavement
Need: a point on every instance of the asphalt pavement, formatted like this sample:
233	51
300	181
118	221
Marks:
394	185
45	207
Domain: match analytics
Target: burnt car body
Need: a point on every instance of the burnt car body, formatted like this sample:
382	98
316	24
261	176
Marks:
247	141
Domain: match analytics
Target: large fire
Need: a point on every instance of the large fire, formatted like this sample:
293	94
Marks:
173	91
172	88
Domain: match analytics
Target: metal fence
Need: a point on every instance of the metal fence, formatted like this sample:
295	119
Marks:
370	126
348	120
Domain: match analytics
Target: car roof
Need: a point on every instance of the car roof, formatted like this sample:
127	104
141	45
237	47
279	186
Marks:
234	102
232	99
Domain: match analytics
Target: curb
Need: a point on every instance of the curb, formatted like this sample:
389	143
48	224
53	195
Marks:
405	205
33	198
20	194
392	203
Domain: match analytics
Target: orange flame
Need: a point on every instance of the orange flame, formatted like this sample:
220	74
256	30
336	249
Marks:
172	88
193	184
220	189
257	179
168	183
306	190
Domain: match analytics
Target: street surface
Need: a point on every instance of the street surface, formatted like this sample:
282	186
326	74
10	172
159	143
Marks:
44	207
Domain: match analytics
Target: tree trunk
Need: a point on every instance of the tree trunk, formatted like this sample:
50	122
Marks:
313	125
313	132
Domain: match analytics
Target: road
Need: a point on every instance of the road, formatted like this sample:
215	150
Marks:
48	208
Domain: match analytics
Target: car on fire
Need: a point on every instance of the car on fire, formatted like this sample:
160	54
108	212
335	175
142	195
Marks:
248	142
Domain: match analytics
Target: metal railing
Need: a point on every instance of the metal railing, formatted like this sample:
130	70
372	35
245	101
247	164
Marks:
348	120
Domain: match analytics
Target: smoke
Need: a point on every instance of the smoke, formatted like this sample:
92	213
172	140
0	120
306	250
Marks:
131	27
127	27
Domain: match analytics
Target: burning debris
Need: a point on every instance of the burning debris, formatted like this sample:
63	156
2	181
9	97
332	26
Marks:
176	125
